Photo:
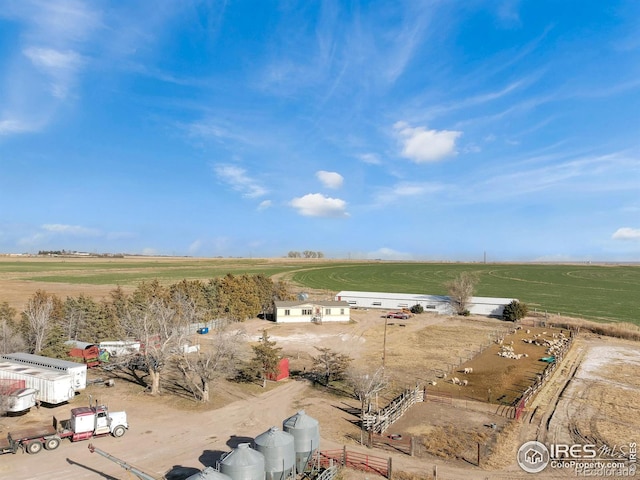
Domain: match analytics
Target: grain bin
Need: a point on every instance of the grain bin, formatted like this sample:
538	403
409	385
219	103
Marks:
279	453
306	437
209	473
243	463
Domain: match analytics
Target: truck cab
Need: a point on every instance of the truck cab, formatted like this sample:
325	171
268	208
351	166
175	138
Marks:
87	422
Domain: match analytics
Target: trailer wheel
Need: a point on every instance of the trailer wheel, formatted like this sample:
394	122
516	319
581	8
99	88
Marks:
119	431
34	447
52	443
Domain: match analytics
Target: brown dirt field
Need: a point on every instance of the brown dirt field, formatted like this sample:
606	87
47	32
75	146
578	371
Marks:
500	380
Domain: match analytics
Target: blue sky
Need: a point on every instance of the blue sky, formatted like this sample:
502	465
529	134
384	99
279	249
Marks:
419	130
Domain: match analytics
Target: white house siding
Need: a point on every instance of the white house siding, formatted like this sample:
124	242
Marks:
307	312
431	303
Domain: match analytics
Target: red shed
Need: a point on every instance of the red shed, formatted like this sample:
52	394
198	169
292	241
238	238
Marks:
283	371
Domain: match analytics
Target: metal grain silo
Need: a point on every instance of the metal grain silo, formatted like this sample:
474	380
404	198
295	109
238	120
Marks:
243	463
209	473
279	453
306	437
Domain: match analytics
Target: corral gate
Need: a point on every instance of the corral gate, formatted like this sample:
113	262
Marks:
379	421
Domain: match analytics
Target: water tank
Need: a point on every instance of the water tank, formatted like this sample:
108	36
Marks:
209	473
306	437
279	453
243	463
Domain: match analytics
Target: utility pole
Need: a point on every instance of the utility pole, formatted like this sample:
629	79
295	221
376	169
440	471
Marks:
384	342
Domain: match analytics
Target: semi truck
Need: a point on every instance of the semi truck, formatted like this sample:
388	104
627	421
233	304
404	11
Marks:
85	423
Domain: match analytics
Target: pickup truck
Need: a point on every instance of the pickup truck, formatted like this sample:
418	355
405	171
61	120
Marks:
401	315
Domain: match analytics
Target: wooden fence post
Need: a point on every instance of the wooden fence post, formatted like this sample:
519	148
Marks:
344	456
389	471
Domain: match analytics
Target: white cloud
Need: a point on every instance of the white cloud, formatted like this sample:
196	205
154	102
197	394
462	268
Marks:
330	179
421	145
317	205
264	205
77	230
195	247
370	158
388	254
16	126
404	190
238	179
626	233
51	59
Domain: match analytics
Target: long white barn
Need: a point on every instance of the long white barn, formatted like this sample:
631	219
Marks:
312	311
431	303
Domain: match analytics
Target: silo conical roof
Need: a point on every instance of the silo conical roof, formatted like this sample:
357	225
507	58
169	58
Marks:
243	463
279	452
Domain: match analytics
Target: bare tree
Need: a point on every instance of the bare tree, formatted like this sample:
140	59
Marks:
366	385
38	319
461	290
330	365
155	324
202	369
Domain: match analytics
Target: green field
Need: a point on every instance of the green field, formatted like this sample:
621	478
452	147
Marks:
597	292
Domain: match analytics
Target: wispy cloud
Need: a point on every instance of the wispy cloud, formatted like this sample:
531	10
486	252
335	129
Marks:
330	179
614	172
627	234
402	191
237	178
44	69
370	158
60	66
70	229
422	145
264	205
318	205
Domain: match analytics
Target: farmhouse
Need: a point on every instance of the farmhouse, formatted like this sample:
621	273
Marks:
488	306
312	311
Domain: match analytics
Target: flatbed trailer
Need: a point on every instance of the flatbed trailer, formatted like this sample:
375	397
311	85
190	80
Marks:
85	423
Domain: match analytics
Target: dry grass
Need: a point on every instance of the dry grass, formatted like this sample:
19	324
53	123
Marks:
627	331
505	449
451	441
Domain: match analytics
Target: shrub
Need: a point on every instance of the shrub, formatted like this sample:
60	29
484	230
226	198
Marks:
515	311
417	308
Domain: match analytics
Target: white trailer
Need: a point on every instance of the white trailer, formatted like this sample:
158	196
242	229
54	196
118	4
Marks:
53	386
21	400
77	370
120	347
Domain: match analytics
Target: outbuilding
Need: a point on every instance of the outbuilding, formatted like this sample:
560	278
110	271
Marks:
440	304
307	311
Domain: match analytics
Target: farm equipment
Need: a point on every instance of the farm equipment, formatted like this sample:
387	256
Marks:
129	468
85	423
